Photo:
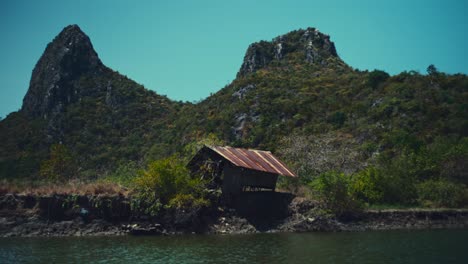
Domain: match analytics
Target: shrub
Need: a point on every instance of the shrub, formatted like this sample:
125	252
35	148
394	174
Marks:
167	183
337	119
442	193
392	184
398	179
124	174
406	177
368	185
333	189
60	165
187	201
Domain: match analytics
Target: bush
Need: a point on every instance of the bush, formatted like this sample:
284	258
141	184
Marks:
60	166
337	119
124	174
392	184
187	201
333	188
406	178
398	179
167	183
442	193
368	185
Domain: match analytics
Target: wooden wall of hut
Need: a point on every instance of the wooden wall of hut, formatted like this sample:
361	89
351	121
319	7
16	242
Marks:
235	179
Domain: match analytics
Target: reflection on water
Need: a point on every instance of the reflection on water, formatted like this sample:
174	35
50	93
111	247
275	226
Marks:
431	246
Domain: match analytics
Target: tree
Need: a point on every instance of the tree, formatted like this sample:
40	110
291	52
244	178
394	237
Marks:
60	165
432	70
377	77
333	188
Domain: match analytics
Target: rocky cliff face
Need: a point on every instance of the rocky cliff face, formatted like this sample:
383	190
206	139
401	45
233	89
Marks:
309	45
55	79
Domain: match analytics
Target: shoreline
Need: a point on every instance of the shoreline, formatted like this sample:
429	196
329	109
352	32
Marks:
60	215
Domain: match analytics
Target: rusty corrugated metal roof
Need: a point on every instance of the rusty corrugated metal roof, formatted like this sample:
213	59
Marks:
253	159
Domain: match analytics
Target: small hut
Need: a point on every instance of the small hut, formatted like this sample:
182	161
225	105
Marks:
237	170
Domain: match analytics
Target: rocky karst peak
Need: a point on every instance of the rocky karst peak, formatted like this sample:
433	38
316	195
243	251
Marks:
307	45
55	78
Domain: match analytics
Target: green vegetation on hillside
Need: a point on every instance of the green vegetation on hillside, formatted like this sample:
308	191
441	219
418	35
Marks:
351	135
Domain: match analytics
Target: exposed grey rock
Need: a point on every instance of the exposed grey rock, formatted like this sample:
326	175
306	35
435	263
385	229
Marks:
258	55
279	49
315	46
55	79
109	96
243	91
240	121
377	102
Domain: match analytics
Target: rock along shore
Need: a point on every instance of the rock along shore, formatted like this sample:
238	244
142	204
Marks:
68	215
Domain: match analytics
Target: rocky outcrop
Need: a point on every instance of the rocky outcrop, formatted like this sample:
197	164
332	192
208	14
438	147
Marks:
309	45
55	80
258	55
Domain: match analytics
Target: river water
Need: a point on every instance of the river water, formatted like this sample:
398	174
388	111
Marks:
427	246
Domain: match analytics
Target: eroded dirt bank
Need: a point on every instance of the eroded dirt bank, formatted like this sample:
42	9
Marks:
68	215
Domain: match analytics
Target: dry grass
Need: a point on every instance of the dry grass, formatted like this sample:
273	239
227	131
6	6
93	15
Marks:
8	187
69	188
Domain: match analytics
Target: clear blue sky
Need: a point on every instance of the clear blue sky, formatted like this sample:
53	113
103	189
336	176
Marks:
189	49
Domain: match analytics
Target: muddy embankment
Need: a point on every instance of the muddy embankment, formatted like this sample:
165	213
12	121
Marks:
69	215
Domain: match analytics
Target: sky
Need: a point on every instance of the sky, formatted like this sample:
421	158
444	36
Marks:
190	49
